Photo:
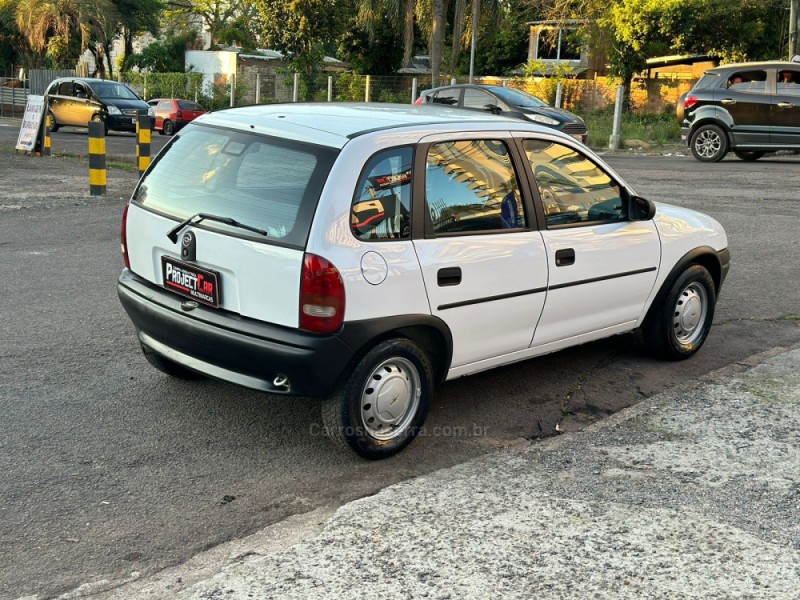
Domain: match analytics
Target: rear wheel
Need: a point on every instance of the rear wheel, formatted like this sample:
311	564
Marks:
53	123
748	155
709	143
379	409
679	322
169	367
168	128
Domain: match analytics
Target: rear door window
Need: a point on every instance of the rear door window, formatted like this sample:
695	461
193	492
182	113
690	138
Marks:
448	96
471	187
264	182
189	105
478	99
749	82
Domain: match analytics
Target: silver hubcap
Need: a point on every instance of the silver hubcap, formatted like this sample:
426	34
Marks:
707	143
390	398
690	314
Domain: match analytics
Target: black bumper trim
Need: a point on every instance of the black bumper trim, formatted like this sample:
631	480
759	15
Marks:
232	348
724	257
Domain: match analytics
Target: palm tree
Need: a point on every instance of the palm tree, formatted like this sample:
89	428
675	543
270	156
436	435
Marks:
40	20
399	12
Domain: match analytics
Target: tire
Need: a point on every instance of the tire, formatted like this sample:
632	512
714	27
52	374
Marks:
169	367
393	370
53	122
709	143
168	128
679	322
749	155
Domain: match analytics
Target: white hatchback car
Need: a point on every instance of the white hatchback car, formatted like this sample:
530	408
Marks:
363	253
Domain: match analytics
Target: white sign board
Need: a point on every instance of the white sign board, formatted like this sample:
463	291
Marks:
31	122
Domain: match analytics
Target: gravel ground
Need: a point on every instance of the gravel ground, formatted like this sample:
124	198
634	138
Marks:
35	179
694	493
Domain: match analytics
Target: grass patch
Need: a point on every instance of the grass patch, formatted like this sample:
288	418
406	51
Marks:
120	165
656	130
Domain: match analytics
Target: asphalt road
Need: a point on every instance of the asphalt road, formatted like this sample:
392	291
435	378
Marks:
110	468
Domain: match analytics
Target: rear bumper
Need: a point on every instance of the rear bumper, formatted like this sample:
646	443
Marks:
230	347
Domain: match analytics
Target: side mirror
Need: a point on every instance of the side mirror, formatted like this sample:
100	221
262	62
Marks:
492	108
641	209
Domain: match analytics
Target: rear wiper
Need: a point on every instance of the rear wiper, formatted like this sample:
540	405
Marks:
194	219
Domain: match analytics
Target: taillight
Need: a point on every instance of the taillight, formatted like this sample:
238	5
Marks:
419	101
123	237
180	114
321	296
689	102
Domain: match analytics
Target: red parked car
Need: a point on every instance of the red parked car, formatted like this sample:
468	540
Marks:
171	114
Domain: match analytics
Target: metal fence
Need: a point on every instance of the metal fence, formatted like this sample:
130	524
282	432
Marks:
13	97
40	79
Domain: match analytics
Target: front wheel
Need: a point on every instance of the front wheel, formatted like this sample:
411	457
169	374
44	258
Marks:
53	122
381	406
679	322
709	143
749	155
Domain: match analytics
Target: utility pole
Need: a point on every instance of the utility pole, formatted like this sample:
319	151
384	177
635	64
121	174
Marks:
476	15
794	15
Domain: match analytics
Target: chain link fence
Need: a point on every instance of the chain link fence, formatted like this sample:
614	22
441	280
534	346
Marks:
583	96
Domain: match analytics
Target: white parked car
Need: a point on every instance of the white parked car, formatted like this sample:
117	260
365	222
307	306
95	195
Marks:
363	253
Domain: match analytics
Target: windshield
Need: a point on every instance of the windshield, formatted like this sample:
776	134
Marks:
517	97
263	182
109	89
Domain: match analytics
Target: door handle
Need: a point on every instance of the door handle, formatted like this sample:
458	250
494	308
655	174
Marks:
449	276
728	101
785	104
565	257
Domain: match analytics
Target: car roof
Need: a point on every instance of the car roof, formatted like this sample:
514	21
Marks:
334	124
755	65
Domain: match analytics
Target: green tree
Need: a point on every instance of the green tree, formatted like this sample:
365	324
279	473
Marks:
40	21
136	17
10	39
216	15
399	14
303	29
635	30
375	53
166	55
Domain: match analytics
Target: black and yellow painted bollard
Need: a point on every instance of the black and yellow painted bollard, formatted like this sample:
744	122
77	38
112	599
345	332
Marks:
47	126
97	159
144	127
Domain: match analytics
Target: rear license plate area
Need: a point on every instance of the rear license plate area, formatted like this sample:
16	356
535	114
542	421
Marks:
191	281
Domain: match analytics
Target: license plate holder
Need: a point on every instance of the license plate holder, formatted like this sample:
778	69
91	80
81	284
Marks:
191	281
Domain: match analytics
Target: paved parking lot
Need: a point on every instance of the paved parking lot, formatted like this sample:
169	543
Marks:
110	468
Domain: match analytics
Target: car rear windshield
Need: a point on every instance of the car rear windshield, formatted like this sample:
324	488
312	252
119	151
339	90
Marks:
264	182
